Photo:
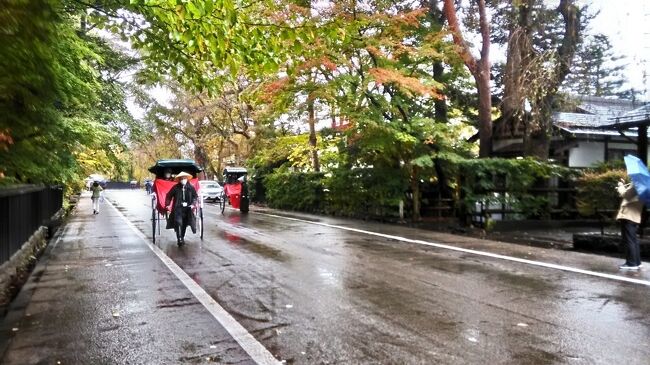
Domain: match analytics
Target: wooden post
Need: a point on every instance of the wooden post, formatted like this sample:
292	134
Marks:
642	143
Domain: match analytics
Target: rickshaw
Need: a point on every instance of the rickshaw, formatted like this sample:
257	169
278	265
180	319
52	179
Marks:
162	185
235	189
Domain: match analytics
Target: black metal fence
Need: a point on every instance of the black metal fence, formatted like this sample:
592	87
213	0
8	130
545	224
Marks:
22	210
121	185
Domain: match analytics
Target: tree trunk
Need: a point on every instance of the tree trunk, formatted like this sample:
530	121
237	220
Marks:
312	134
200	156
532	78
440	105
219	159
480	70
484	110
415	189
541	136
519	54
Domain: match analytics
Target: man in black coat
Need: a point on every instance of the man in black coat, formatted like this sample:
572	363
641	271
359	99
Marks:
184	196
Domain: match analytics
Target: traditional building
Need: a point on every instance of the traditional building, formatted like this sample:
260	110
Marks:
581	136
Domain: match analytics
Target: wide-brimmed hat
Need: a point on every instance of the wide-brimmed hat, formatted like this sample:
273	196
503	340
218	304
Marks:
182	175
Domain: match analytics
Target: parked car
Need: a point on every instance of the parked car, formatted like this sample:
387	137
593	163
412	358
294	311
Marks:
210	190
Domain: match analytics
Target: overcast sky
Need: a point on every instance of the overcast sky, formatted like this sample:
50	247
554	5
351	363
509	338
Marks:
627	24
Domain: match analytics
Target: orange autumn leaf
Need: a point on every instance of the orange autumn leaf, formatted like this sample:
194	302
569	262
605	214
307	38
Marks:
411	84
322	61
412	18
273	88
5	139
374	51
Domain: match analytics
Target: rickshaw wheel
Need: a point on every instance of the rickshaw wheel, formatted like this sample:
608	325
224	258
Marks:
222	202
201	220
243	207
153	220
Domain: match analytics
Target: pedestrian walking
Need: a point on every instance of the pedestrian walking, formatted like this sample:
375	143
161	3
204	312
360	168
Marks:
96	196
184	196
629	214
148	186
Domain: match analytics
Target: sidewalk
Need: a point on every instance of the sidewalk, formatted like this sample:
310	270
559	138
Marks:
99	295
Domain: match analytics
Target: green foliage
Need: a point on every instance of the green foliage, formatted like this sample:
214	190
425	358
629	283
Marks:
479	178
515	175
606	166
282	151
597	191
356	192
295	191
365	192
597	70
201	44
60	103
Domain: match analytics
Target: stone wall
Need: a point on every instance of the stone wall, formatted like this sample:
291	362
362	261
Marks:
15	271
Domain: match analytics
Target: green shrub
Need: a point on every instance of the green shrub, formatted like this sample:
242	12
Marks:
597	191
364	192
479	178
294	191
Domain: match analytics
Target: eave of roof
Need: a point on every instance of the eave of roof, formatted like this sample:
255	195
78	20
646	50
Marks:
634	118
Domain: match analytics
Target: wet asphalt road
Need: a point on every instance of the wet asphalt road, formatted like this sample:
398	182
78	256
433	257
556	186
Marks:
321	295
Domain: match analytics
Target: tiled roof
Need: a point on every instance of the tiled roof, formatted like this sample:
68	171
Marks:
579	120
636	115
605	107
598	113
576	123
598	132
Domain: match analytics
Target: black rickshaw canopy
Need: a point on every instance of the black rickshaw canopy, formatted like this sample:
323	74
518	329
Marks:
175	166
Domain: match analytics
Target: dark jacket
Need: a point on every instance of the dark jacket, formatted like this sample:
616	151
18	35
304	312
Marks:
176	193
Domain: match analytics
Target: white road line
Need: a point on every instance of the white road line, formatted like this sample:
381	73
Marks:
256	350
473	252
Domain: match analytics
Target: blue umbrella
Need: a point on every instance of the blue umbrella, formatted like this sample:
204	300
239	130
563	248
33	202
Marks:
640	176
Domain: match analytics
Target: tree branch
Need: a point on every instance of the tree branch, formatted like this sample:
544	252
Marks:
464	51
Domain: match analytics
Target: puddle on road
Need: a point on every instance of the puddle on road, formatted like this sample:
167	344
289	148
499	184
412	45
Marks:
254	247
180	302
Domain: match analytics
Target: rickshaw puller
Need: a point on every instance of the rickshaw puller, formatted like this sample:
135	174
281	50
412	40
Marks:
184	196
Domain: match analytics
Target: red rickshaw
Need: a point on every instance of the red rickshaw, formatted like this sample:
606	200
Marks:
235	189
161	186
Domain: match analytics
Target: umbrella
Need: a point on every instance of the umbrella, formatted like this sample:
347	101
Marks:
640	176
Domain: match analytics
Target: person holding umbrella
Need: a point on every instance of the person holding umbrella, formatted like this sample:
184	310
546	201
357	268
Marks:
629	214
634	196
184	196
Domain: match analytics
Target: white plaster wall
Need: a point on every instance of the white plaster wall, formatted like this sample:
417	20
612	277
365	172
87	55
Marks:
626	146
586	154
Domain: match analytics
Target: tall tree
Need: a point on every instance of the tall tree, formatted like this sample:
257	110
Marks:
597	70
61	106
479	68
541	43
